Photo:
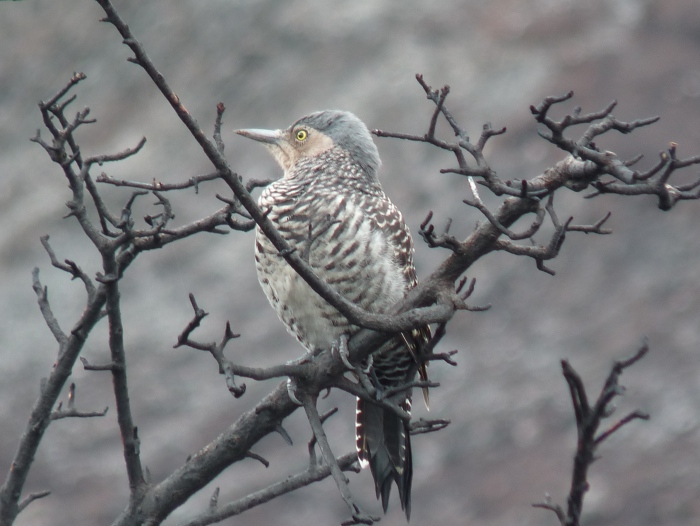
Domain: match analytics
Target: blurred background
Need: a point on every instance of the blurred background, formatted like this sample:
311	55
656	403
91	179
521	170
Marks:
271	61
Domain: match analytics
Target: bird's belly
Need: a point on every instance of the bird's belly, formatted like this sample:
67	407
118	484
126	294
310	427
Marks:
364	276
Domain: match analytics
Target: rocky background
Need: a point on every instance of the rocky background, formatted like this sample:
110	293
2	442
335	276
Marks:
271	61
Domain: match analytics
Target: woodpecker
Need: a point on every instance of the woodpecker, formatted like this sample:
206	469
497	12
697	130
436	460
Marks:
330	206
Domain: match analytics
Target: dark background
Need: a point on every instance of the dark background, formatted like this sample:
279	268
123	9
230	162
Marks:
270	62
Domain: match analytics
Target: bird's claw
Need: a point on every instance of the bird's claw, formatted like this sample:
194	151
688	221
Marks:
340	348
370	363
292	391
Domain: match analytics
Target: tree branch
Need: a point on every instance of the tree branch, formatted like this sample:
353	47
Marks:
588	420
358	516
307	477
355	315
71	411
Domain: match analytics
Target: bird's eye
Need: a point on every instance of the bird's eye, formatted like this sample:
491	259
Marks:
301	135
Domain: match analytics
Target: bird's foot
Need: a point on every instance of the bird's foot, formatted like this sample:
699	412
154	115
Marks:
340	349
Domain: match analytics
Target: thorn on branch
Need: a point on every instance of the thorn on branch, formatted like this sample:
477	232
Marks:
31	498
255	456
283	433
544	268
214	500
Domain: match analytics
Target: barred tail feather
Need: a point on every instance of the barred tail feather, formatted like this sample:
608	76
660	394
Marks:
415	342
384	443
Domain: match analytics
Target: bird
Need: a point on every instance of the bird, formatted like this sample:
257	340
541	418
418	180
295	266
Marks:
330	206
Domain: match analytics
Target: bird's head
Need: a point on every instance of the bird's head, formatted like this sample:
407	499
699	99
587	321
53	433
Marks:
316	134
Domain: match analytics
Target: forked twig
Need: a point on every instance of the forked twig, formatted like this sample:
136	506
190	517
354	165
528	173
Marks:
588	420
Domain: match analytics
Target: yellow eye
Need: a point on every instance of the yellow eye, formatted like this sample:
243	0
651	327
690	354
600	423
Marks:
301	135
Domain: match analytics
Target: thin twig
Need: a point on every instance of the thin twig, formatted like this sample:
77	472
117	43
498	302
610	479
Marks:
358	516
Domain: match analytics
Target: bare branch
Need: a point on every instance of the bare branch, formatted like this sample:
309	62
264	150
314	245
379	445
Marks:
69	266
192	182
357	316
358	516
634	415
319	472
226	367
422	426
71	411
444	357
434	301
588	420
39	419
313	441
526	234
361	391
119	156
89	367
43	299
220	108
31	498
77	77
127	428
427	232
592	229
558	510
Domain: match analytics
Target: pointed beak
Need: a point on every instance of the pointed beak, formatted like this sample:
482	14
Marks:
263	136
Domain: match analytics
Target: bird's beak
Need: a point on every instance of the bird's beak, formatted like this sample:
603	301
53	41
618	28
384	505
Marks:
264	136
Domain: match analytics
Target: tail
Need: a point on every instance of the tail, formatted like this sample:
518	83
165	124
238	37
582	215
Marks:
384	443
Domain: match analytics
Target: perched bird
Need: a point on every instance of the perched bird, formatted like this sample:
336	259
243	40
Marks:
330	206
